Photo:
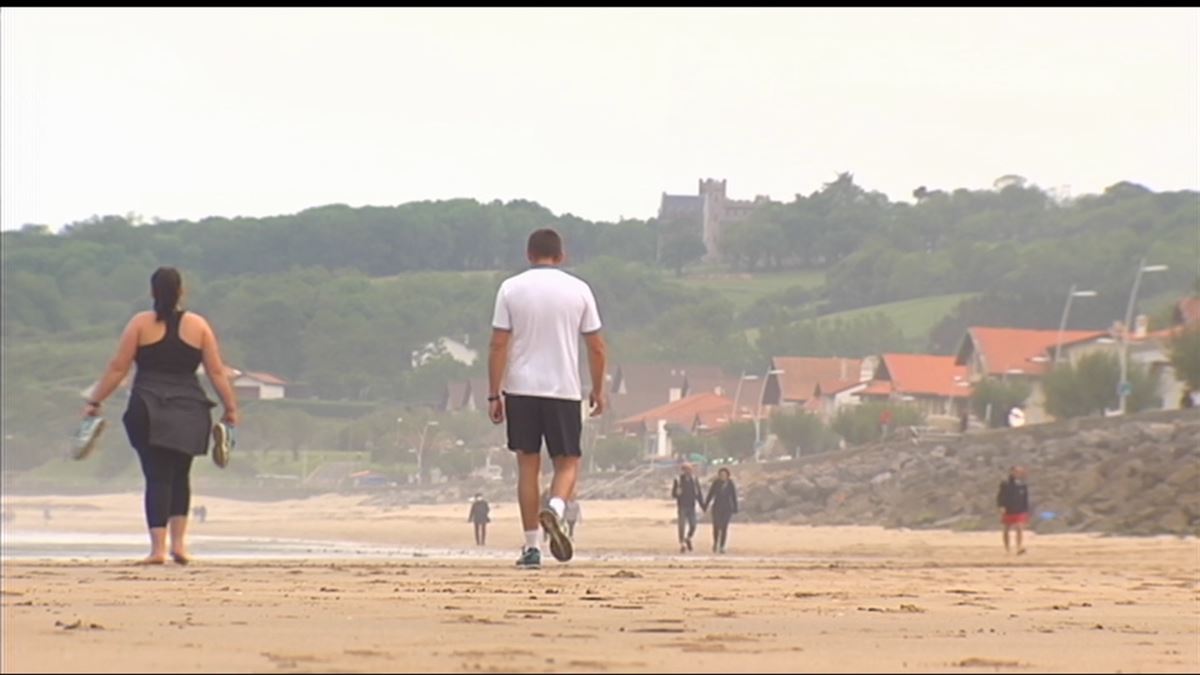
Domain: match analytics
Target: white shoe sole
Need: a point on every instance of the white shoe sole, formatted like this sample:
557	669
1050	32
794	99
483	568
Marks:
220	446
560	544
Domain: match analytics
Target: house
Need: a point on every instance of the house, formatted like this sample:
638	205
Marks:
636	387
122	387
830	396
935	384
703	413
795	383
709	211
458	350
230	372
469	395
256	385
1148	350
1187	311
746	391
1018	354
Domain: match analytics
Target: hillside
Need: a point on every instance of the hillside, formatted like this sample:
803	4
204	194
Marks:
915	318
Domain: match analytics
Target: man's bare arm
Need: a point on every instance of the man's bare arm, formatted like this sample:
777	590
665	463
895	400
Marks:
497	363
597	364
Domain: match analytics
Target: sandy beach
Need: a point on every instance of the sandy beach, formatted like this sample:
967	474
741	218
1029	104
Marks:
785	598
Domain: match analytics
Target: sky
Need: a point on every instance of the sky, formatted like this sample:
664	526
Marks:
187	113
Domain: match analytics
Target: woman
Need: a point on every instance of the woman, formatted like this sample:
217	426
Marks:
169	415
722	504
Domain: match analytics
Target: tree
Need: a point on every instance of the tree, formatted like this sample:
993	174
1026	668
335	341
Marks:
1089	387
1185	356
687	446
861	423
996	398
737	440
802	433
617	452
680	244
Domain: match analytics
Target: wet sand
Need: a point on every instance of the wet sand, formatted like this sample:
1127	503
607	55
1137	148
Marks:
786	598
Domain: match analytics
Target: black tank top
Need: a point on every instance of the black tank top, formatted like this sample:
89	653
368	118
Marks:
170	354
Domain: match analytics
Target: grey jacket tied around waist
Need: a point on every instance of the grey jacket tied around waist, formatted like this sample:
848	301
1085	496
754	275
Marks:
179	411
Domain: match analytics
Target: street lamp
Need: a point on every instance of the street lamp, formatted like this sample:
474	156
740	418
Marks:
738	394
421	449
758	414
1122	385
1071	294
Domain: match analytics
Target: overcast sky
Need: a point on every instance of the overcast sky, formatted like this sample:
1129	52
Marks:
186	113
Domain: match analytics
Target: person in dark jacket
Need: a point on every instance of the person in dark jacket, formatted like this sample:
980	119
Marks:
1013	502
721	504
687	495
480	510
168	418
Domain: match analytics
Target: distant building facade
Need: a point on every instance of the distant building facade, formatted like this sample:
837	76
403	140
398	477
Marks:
710	209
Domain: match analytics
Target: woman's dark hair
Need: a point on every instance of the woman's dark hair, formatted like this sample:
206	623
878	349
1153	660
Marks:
724	471
166	285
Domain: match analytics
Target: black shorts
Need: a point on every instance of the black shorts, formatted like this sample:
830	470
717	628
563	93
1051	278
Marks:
533	418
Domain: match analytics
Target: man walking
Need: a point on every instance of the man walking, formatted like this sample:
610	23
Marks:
533	371
1013	501
687	494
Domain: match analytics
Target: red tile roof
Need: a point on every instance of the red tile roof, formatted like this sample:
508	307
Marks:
831	387
265	378
709	409
645	385
878	388
802	373
1013	349
924	375
748	397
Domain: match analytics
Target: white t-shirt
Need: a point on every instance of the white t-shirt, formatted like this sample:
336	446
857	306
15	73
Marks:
546	309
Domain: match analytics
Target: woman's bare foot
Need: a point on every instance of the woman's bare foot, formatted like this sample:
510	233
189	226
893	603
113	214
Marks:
181	558
153	560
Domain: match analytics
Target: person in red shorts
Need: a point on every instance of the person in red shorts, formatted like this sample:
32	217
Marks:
1013	501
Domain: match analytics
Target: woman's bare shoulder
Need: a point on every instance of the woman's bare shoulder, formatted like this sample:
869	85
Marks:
196	319
142	318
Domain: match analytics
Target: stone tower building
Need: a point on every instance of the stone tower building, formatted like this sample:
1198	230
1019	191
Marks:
710	209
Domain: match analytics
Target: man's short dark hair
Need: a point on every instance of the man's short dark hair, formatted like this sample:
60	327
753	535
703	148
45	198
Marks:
545	243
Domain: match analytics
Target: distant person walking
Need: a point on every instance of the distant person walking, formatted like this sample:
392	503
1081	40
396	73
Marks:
1013	501
533	375
885	423
686	492
573	516
1016	417
479	516
168	419
721	504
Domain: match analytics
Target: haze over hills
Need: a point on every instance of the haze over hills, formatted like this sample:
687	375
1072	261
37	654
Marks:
338	298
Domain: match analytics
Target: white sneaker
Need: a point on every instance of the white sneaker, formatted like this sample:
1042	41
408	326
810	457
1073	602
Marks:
87	435
223	441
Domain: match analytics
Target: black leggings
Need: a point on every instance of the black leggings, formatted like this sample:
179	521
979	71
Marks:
720	530
167	472
168	484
